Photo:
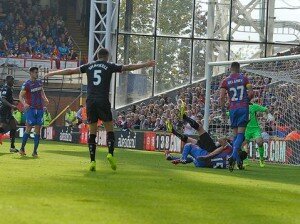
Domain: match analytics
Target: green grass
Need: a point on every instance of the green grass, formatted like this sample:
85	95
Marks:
58	188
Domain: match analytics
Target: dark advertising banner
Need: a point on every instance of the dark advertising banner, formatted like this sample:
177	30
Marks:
279	151
166	141
66	134
129	139
276	150
123	139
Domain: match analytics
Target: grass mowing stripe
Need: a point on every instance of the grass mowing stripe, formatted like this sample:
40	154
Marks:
57	188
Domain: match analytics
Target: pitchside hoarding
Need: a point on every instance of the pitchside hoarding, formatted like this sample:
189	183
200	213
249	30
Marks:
276	150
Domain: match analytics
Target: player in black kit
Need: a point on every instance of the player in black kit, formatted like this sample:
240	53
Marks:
7	121
99	74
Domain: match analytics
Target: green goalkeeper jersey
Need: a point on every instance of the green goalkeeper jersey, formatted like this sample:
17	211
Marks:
253	109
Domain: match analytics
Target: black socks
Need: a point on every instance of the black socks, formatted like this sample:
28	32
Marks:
12	136
92	146
110	140
192	122
182	137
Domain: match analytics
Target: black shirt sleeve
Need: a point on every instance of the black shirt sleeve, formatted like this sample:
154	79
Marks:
116	67
84	67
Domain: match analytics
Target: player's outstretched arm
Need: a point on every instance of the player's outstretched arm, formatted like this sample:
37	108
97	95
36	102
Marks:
67	71
212	154
191	140
138	66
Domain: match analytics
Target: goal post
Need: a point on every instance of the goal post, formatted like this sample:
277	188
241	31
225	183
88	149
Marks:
276	84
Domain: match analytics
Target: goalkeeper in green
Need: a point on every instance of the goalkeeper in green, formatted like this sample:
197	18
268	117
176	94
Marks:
253	130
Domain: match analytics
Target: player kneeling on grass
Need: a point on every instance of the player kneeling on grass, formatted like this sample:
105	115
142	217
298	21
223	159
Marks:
253	130
7	121
99	74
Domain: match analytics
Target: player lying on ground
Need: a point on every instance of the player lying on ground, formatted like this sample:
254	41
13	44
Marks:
253	130
204	141
7	121
33	98
239	91
201	157
99	74
203	152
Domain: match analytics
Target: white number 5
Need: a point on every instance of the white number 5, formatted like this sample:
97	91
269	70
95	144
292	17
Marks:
97	76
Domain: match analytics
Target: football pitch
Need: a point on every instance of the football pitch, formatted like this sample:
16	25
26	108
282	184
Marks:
58	188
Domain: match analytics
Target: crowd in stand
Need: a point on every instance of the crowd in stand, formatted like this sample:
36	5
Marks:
279	121
154	115
29	31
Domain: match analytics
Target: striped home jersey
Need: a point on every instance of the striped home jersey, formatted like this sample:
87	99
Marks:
236	86
33	96
221	160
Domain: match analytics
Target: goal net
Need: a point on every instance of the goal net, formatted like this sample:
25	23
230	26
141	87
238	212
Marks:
276	85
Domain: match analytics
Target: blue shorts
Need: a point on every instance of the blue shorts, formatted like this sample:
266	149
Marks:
34	116
239	117
195	151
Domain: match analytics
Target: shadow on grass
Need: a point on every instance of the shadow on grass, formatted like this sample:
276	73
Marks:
142	189
26	158
156	161
98	174
68	153
274	173
4	153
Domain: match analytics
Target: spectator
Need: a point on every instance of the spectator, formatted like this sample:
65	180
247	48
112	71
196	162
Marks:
72	55
23	119
143	122
127	124
160	124
40	32
136	122
152	122
79	114
46	117
84	115
70	118
18	116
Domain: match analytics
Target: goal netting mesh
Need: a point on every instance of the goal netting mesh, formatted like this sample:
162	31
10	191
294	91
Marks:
276	84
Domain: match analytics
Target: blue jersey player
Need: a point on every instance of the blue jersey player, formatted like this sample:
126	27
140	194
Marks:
192	153
239	91
203	152
33	98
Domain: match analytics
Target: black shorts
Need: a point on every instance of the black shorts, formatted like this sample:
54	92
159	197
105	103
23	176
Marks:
206	142
5	116
98	109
